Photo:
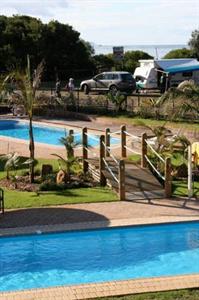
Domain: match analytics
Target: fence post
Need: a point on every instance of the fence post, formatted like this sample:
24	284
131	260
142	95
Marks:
168	178
122	180
144	151
123	141
84	150
71	133
107	141
101	161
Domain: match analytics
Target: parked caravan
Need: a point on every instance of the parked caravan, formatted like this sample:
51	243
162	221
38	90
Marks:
152	74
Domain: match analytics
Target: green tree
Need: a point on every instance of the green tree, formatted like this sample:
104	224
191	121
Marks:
103	62
194	43
19	35
65	53
179	53
131	58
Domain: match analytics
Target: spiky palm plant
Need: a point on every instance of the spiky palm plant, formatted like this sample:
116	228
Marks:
118	99
188	92
66	163
13	162
27	85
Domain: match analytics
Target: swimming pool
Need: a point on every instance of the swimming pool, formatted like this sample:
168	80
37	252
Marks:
100	255
42	133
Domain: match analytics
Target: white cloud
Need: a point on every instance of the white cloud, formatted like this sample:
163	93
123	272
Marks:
117	21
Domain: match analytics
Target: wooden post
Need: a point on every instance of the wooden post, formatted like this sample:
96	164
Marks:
123	141
190	185
84	150
168	178
71	133
107	141
144	151
101	161
122	180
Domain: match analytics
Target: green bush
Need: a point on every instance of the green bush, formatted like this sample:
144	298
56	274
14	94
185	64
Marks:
51	186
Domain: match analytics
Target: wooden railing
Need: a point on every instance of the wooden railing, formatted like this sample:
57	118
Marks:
145	160
108	161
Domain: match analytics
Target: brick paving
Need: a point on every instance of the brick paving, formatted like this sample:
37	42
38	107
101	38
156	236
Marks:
105	212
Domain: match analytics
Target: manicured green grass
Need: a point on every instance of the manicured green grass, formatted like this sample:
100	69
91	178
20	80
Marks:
20	199
173	295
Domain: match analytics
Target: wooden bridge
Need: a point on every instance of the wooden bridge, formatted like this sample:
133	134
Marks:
109	165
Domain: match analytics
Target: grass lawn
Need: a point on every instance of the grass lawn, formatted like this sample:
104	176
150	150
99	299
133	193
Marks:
173	295
20	199
17	199
152	122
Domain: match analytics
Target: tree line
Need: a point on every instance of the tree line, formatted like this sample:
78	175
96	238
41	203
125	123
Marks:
65	53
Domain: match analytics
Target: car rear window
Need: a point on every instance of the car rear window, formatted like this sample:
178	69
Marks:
126	77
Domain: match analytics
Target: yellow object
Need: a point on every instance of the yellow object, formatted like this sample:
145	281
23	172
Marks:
195	153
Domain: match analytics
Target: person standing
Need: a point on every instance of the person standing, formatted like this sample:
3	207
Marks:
71	85
58	88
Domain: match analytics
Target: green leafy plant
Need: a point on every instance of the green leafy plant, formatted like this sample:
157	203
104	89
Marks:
187	94
67	163
118	99
13	162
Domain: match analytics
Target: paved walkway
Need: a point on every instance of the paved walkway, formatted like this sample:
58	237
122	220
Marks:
101	212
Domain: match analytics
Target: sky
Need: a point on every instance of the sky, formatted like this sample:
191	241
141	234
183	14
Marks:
116	22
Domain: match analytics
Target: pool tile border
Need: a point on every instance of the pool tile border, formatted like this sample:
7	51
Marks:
111	288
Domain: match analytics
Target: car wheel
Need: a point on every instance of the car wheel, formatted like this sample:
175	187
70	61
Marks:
113	89
86	89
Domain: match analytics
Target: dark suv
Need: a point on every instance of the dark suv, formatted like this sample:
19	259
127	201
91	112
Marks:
110	81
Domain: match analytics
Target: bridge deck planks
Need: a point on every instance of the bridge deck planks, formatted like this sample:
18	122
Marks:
139	183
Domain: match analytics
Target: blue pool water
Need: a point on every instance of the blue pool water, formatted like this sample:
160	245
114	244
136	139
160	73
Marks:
42	134
98	255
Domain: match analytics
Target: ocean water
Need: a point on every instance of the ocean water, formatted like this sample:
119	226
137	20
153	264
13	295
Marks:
78	257
157	51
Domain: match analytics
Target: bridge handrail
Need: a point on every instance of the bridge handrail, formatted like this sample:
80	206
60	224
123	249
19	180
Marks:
133	136
154	168
89	150
110	171
116	132
111	155
155	152
91	136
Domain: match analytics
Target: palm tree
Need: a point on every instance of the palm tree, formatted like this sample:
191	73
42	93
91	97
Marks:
66	163
27	87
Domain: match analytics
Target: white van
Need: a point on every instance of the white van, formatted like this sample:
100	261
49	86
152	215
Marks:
148	75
